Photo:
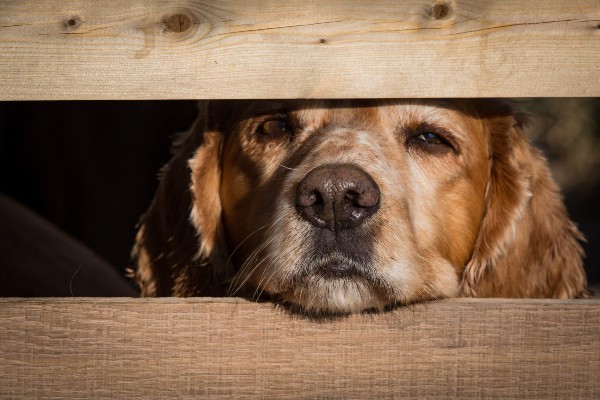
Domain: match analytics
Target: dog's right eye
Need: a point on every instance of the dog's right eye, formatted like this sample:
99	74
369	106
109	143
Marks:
275	128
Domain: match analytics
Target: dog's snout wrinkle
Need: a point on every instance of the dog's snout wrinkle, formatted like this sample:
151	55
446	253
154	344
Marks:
337	196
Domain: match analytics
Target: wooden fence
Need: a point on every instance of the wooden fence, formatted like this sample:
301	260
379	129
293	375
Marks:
230	348
158	49
151	49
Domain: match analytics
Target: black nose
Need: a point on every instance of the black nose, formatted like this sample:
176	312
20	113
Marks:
337	196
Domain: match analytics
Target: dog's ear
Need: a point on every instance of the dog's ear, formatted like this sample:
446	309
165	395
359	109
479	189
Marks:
180	248
527	246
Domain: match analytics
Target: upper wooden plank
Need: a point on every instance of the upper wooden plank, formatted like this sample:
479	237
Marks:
163	49
230	348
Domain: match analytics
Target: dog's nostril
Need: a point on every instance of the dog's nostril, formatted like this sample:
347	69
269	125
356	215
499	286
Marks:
366	199
337	196
352	198
308	198
317	198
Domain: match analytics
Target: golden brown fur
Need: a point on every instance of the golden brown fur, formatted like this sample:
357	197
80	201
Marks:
467	207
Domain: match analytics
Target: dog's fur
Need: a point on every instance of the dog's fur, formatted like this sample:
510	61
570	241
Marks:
471	211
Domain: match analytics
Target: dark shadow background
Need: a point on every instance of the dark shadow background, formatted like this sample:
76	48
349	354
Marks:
90	167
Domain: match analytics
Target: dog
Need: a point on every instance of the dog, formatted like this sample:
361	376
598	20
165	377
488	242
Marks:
342	206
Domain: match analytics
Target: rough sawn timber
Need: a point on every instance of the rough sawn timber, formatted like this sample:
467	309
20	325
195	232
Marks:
232	348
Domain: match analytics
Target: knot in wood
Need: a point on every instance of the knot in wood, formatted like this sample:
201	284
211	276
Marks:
178	23
441	10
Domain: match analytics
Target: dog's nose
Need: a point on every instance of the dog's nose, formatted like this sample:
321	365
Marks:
337	196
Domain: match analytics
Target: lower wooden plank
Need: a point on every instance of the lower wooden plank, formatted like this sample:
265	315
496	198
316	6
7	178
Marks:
223	348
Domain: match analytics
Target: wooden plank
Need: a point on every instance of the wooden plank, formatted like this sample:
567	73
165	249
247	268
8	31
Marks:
223	348
159	49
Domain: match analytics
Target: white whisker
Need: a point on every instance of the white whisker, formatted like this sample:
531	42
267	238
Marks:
247	263
243	241
275	270
252	256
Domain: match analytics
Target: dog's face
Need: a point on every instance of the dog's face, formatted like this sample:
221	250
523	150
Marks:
342	206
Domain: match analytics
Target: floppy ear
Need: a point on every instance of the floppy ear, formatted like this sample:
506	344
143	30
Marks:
180	248
527	246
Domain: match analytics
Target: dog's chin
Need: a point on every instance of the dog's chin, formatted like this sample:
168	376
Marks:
334	294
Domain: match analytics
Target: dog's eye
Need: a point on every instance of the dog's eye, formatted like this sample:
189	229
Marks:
430	142
430	138
275	128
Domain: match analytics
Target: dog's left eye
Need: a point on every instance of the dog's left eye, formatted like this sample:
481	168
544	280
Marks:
275	128
430	138
430	141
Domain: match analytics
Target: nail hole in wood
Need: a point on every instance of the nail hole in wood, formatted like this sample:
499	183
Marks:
73	22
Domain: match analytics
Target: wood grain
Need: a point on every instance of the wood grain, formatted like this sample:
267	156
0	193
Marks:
224	348
159	49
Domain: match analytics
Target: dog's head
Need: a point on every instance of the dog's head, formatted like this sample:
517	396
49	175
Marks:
341	206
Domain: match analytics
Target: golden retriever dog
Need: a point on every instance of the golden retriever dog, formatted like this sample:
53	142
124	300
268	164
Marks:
340	206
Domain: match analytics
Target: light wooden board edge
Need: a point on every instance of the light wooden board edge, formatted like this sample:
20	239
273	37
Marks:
156	49
223	348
